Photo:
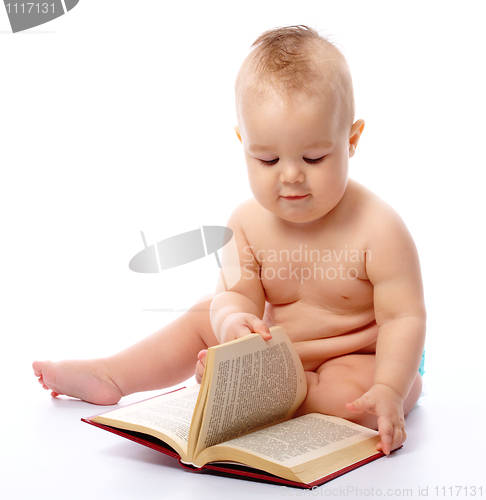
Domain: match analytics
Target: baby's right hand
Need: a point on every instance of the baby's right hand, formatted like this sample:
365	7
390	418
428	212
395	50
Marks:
235	326
240	325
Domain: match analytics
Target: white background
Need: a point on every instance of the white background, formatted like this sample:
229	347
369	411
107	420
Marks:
118	117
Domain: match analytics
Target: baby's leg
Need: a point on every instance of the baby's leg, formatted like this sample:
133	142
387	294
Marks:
165	358
342	380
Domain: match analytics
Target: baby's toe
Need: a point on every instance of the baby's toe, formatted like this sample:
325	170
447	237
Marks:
42	383
37	367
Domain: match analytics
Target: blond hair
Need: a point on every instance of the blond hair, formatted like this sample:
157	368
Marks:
296	59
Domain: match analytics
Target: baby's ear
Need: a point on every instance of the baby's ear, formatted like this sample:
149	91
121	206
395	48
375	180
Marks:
237	130
354	136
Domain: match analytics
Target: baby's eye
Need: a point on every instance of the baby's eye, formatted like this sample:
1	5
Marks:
314	161
270	162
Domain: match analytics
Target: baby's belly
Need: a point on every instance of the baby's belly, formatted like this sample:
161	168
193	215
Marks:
319	335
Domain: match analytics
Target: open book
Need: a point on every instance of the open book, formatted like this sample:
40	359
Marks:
239	420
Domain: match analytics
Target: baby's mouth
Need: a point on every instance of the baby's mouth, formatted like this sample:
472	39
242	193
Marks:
295	198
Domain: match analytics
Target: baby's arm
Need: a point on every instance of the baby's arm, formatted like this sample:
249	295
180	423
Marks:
238	312
394	270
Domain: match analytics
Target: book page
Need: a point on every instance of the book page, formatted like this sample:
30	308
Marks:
301	439
255	383
167	417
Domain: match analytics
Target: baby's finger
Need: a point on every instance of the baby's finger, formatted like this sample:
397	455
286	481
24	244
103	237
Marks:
200	365
199	372
358	406
399	438
242	331
386	433
258	326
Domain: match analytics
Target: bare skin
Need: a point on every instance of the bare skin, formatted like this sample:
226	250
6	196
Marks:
327	259
332	321
352	303
336	344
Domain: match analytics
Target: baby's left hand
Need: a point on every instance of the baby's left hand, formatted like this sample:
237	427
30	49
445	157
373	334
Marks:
200	365
387	405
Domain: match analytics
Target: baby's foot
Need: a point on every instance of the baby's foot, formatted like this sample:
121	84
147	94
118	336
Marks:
201	363
83	379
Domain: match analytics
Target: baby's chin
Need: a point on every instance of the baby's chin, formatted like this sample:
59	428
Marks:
304	214
302	219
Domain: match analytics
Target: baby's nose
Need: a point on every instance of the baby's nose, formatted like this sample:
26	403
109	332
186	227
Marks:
291	173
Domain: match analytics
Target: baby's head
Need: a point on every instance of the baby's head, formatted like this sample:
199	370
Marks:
295	109
296	62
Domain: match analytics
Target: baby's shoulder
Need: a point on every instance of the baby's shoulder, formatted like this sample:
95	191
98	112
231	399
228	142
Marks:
364	201
249	210
381	222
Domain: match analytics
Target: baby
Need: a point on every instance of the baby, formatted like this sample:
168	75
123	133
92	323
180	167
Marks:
319	254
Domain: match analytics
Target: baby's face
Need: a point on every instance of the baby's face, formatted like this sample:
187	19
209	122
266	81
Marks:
297	156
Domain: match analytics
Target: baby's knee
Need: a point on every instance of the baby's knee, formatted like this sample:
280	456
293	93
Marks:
336	384
355	372
200	322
